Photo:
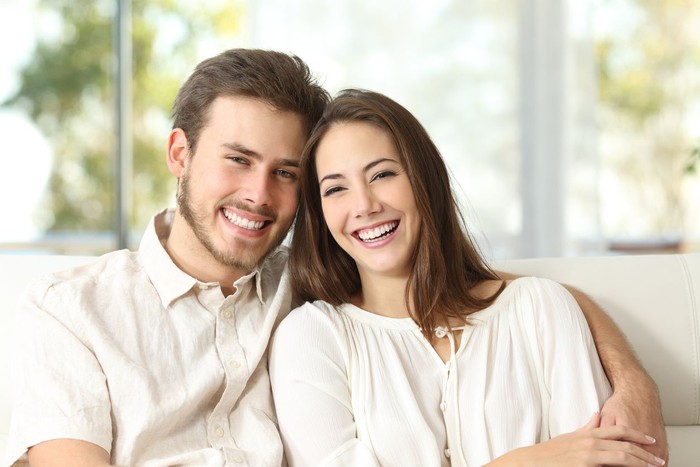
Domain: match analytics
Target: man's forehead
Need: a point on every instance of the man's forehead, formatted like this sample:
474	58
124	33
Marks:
252	125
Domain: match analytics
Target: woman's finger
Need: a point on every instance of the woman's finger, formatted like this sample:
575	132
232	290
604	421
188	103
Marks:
624	453
622	433
594	422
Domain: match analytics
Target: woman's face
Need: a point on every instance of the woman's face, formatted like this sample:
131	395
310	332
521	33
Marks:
367	200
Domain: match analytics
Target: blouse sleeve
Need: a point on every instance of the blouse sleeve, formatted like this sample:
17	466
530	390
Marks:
573	374
312	393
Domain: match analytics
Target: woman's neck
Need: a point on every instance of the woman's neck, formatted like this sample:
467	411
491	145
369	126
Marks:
383	296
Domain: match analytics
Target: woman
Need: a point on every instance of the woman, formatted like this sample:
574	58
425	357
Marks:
415	353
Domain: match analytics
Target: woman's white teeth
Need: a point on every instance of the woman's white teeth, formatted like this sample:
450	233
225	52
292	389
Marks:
242	222
377	232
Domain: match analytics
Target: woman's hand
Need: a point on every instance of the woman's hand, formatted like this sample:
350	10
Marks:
589	446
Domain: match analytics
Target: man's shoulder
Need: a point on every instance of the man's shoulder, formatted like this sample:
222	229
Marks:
107	269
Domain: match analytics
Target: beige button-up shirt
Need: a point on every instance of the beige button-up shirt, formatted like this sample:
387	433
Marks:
132	354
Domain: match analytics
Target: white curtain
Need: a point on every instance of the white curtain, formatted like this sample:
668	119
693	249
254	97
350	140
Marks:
504	87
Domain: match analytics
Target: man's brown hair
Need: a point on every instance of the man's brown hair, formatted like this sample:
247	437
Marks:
283	81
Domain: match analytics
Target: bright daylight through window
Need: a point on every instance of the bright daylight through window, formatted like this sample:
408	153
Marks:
572	127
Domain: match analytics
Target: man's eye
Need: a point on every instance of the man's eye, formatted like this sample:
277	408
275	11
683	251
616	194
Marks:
237	159
285	174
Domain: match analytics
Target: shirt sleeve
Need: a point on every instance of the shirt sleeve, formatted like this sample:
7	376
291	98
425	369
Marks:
312	393
573	374
59	387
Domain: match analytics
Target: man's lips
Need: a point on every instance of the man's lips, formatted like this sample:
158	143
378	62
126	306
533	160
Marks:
243	221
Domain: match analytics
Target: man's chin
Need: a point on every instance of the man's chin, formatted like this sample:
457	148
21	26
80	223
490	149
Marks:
243	257
245	253
243	261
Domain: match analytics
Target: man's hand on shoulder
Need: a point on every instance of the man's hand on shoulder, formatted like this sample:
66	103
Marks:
639	409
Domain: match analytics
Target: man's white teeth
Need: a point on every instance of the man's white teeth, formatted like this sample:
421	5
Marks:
241	222
377	232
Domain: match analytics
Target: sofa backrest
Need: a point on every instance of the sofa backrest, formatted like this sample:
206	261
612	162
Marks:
655	299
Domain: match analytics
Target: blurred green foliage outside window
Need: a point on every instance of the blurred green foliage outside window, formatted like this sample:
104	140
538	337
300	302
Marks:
67	89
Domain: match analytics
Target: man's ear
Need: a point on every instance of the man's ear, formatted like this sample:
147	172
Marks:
177	152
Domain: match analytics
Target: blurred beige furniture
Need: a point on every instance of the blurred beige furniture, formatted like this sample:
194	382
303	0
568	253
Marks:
655	299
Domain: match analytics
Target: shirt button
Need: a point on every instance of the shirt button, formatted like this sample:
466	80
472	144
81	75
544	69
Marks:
226	314
443	406
447	453
219	432
235	364
237	460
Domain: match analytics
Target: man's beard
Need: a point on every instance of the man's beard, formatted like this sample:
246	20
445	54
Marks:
245	259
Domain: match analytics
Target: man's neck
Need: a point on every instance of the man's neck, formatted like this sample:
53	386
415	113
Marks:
188	254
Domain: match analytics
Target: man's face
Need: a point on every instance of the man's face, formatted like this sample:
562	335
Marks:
238	192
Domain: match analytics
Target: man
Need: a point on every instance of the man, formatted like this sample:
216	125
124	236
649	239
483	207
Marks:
158	357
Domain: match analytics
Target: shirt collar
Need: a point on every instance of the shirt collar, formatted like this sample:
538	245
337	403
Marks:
267	274
170	281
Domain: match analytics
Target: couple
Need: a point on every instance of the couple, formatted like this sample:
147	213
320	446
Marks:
159	357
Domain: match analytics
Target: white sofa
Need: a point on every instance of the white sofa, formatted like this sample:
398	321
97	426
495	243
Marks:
654	299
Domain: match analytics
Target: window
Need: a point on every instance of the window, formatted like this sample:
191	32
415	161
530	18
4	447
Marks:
569	127
59	91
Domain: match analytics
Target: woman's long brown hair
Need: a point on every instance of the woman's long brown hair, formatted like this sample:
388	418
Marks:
446	262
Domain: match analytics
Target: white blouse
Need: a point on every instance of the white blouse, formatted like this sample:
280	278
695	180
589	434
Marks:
353	388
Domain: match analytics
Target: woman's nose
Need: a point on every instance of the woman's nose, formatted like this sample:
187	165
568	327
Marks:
366	202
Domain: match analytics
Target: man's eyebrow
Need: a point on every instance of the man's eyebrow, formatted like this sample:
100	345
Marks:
242	149
364	169
287	162
255	155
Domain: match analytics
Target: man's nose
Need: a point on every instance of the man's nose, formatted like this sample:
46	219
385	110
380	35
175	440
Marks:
257	188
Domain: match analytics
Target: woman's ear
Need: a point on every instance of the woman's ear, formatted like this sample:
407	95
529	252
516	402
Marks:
177	152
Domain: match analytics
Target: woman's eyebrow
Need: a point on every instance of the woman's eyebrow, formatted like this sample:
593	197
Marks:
366	168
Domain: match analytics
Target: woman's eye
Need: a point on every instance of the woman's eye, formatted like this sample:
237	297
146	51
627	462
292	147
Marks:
332	190
383	174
